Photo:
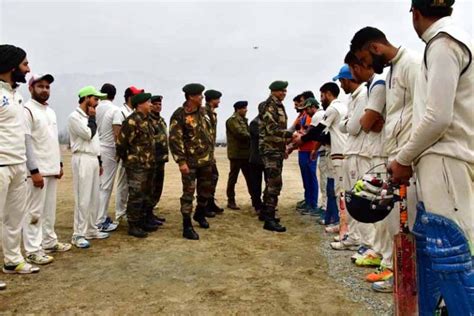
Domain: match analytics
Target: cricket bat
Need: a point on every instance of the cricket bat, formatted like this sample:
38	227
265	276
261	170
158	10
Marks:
404	268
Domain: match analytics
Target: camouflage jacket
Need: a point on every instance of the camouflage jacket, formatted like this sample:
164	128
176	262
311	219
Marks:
272	127
161	137
213	118
190	137
135	144
238	137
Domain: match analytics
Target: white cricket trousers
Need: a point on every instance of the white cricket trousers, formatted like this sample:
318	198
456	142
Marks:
323	179
109	164
121	192
86	183
337	173
446	186
354	169
38	227
12	211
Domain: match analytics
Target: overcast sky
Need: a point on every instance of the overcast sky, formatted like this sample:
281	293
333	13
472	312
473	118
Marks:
161	46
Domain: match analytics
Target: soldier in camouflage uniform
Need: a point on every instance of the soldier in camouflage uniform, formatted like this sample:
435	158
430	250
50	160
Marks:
272	144
136	148
190	143
161	153
213	98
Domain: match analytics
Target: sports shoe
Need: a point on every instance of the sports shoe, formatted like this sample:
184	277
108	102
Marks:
369	259
383	286
337	238
59	247
321	221
344	244
80	242
98	235
107	225
302	206
381	274
21	268
304	211
300	203
314	211
332	229
3	285
39	259
359	254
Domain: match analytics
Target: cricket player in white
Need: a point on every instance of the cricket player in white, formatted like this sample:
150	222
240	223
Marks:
86	167
441	147
121	194
374	50
357	156
109	119
13	69
45	168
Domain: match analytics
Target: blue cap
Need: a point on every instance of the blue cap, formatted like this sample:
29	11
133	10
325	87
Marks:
344	73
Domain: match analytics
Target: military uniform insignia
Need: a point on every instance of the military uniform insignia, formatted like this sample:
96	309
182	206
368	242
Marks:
189	120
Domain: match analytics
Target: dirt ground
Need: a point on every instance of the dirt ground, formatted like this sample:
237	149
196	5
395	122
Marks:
237	268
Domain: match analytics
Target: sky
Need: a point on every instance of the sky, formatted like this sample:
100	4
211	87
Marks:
237	47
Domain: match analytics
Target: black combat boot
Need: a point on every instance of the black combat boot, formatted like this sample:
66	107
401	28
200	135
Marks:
136	230
159	218
188	230
232	205
271	223
208	213
213	207
199	216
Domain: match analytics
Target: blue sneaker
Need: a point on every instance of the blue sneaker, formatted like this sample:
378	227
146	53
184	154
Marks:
80	242
107	225
314	211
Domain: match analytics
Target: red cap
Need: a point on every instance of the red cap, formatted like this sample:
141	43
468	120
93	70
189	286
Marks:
135	90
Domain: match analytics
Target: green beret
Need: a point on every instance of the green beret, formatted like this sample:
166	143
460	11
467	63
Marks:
433	4
156	98
278	85
311	102
193	88
140	98
212	94
240	105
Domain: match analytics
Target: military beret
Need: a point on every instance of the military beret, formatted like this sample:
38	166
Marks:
140	98
278	85
311	102
432	3
193	88
156	98
240	105
212	94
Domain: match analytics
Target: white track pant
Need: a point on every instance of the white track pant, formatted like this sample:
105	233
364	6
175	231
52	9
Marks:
109	163
12	210
354	169
446	186
121	192
38	227
86	182
323	179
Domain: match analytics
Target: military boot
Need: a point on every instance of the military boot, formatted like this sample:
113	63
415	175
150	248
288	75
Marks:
232	205
188	230
200	217
271	223
212	206
136	230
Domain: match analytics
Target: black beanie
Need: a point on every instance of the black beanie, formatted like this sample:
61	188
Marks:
10	57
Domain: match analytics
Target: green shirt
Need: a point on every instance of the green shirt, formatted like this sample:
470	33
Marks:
238	137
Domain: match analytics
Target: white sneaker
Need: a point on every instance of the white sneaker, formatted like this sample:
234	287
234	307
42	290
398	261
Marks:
98	235
39	258
80	242
21	268
3	285
59	247
345	244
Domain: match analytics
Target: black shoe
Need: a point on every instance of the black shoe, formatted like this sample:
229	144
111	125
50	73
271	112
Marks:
210	214
159	218
152	221
150	228
200	217
261	218
188	230
231	204
272	225
213	207
136	230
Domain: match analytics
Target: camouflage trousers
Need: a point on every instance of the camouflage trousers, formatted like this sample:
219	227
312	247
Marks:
158	181
273	168
215	178
198	179
140	202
